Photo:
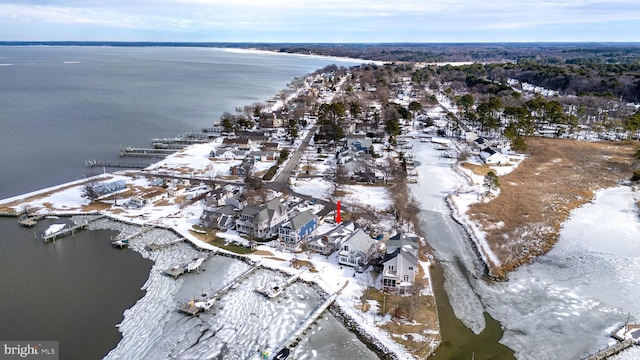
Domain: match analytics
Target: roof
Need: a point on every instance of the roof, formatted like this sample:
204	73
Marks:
300	220
400	240
360	241
407	255
268	211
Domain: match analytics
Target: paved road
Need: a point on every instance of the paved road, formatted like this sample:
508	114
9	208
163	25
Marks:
281	182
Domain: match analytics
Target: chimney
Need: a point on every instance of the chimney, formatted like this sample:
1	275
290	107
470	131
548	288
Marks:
338	218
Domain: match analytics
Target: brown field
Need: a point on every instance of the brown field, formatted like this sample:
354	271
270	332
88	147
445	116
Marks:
537	197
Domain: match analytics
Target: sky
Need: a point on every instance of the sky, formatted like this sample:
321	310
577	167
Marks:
332	21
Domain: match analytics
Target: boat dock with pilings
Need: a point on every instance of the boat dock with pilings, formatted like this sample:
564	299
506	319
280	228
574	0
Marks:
300	329
273	291
115	164
145	152
194	307
69	230
628	335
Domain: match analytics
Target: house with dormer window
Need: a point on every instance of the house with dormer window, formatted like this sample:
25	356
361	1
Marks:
400	264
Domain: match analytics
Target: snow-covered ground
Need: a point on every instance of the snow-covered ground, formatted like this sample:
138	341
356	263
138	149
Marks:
564	305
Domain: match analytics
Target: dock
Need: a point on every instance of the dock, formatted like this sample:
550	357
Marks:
628	335
273	291
193	307
302	327
611	350
69	230
115	164
29	221
193	265
146	152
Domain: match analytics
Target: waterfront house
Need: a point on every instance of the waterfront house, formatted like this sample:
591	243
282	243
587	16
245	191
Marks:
103	189
400	264
222	218
302	226
148	197
262	221
492	156
356	250
239	143
330	237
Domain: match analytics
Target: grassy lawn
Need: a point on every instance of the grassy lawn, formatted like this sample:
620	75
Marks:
212	239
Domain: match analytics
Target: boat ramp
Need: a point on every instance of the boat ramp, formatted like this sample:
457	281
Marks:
273	291
194	307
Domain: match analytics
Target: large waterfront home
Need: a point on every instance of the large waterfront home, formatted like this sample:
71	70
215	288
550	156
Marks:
298	229
400	264
262	221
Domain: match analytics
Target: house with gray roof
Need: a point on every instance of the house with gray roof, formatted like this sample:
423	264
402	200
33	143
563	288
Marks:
262	221
400	263
222	218
301	227
356	250
330	237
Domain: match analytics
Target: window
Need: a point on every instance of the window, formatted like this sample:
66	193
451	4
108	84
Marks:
390	267
406	278
410	268
389	282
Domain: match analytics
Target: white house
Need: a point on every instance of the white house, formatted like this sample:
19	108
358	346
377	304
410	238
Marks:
400	264
356	250
330	237
492	156
147	198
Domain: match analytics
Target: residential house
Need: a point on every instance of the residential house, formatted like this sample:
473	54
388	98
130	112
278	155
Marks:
359	142
103	189
262	221
244	168
481	143
356	250
492	156
331	237
270	146
239	143
400	264
238	200
222	218
225	153
149	197
298	229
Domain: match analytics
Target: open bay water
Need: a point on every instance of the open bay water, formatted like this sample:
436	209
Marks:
60	106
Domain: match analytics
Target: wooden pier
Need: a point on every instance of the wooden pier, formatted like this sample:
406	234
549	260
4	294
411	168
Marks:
116	164
304	325
611	350
145	152
193	307
273	291
29	221
69	230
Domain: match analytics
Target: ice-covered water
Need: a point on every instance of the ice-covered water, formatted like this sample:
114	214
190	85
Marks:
564	305
239	325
